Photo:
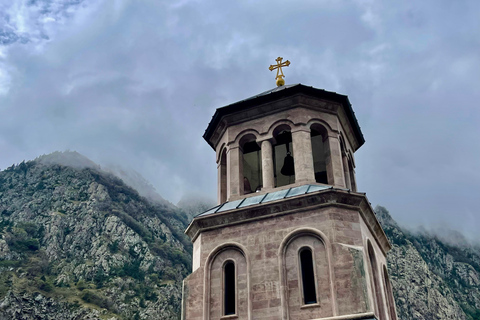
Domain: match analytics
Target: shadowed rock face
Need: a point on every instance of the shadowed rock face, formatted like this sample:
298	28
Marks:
432	278
77	243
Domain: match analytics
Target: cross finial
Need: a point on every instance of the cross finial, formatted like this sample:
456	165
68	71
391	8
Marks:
280	81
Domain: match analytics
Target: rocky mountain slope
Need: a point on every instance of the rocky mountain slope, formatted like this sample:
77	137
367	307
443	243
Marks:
433	277
77	243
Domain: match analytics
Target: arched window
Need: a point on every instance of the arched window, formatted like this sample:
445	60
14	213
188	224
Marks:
308	276
227	284
252	167
318	135
352	175
229	291
346	171
283	156
251	163
389	293
376	282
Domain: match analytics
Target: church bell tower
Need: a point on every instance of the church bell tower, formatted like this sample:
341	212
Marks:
291	237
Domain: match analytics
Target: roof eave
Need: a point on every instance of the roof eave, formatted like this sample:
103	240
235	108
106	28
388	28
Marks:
276	94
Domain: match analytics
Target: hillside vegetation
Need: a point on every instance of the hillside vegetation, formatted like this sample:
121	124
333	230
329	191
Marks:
77	243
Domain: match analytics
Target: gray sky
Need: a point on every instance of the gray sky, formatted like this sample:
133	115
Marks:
136	83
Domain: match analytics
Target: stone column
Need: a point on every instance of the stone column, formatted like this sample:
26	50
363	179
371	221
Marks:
302	155
346	172
267	165
333	158
234	173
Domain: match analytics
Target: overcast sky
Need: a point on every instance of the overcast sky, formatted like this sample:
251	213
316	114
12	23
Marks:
136	83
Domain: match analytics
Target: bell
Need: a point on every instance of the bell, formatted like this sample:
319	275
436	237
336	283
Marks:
288	168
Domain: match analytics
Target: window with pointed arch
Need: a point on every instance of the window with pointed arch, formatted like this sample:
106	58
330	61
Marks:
229	288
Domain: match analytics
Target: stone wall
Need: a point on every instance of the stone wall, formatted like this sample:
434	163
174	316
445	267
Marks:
267	251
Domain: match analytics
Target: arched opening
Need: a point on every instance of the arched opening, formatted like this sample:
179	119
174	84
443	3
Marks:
318	135
389	293
346	171
352	175
377	291
308	276
227	283
222	172
252	164
229	288
284	169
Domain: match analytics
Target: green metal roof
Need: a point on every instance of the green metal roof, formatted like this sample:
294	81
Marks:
265	198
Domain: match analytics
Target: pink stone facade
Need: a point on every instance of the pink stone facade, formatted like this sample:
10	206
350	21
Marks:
337	226
264	242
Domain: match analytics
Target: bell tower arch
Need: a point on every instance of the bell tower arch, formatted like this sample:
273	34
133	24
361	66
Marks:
307	244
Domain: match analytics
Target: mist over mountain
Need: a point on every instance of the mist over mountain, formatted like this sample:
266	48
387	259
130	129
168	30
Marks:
78	242
128	175
135	180
68	159
193	204
433	277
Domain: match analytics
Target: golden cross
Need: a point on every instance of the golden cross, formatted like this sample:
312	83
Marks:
280	81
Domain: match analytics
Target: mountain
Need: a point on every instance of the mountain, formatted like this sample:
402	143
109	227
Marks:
434	276
135	180
193	204
67	159
77	243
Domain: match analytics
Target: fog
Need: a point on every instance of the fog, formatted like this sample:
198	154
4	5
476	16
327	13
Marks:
135	84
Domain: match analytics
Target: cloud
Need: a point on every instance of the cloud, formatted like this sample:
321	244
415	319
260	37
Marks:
137	83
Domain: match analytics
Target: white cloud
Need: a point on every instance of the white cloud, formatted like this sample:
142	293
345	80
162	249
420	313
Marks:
138	82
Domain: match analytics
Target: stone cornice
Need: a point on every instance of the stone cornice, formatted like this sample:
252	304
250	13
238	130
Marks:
296	96
326	198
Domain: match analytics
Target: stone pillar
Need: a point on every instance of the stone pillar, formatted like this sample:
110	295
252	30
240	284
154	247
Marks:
267	165
234	172
333	158
346	172
302	155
